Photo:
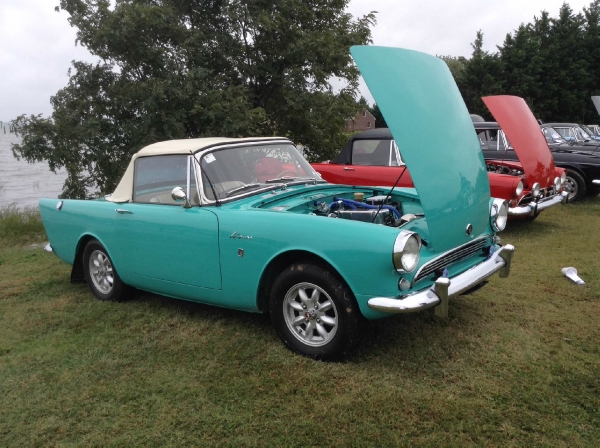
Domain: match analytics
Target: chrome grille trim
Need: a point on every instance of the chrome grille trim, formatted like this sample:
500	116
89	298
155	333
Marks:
526	199
450	257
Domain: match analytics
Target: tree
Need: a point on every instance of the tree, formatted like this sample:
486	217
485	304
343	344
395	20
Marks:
551	62
456	65
480	77
379	120
193	68
592	49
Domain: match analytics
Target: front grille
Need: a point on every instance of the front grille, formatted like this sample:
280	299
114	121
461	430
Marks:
545	193
453	256
526	199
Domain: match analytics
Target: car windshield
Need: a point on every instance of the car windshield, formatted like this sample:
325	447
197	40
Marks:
567	133
552	136
584	135
231	172
588	130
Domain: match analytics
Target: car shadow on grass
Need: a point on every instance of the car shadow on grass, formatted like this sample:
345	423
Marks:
401	342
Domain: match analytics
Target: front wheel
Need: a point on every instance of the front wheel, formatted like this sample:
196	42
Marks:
100	274
314	313
575	186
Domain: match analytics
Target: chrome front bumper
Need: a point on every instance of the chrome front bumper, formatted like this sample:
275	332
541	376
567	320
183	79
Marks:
446	288
534	208
596	181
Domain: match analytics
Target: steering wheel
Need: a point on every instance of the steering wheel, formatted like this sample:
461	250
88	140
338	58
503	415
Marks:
287	173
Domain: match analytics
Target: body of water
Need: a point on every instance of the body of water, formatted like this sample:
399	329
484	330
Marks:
25	183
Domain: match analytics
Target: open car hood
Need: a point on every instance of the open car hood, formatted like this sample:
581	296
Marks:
523	131
429	120
596	100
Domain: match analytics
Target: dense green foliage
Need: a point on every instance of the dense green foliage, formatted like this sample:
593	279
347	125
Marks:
379	119
186	68
552	62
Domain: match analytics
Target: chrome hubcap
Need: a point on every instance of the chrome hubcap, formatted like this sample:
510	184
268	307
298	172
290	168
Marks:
571	187
101	272
310	314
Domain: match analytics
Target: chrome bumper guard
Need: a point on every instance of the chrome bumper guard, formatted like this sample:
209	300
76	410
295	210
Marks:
447	288
534	208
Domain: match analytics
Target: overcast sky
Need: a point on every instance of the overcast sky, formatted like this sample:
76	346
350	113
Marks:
37	44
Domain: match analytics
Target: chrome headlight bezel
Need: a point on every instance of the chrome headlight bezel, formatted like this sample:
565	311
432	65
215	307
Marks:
404	248
557	184
519	189
535	191
499	214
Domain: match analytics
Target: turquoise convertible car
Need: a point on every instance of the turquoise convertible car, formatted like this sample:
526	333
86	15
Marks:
248	224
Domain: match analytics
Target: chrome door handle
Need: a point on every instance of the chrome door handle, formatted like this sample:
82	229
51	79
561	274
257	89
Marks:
121	211
347	168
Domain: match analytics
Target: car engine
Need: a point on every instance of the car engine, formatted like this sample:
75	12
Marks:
374	209
503	169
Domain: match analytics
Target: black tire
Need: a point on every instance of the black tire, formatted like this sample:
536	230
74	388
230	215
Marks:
329	327
104	282
575	185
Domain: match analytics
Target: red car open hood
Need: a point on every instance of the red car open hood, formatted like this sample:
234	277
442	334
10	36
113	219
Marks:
523	131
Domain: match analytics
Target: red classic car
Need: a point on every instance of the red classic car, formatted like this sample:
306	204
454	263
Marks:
373	158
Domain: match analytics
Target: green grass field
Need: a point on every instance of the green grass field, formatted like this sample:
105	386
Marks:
516	363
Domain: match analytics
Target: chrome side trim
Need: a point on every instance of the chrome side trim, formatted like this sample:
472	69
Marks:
122	211
458	255
535	207
444	287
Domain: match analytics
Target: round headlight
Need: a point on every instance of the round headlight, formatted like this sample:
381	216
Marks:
499	214
557	184
407	250
536	190
519	189
563	177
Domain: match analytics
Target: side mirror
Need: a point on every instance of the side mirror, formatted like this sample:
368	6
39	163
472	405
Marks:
178	195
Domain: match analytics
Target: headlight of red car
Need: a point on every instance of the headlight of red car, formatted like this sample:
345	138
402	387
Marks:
519	189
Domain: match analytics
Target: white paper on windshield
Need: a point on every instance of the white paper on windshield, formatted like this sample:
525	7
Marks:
209	158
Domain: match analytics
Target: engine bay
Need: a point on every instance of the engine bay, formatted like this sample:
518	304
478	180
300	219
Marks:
377	209
503	169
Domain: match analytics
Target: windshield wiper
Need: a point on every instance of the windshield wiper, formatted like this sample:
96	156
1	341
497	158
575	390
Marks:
293	179
278	180
242	188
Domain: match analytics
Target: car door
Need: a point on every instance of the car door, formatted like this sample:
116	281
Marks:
158	237
336	173
376	162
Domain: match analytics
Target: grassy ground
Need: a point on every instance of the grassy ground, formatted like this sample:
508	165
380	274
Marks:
517	363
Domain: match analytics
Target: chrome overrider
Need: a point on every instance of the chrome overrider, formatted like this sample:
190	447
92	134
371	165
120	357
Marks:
533	208
447	288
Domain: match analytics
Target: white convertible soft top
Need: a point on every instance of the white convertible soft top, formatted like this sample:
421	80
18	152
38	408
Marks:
123	192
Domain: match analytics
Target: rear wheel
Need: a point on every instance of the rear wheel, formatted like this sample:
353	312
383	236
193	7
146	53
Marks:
575	186
100	274
314	313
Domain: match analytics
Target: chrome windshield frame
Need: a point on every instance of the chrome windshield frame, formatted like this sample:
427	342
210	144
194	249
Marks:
204	200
